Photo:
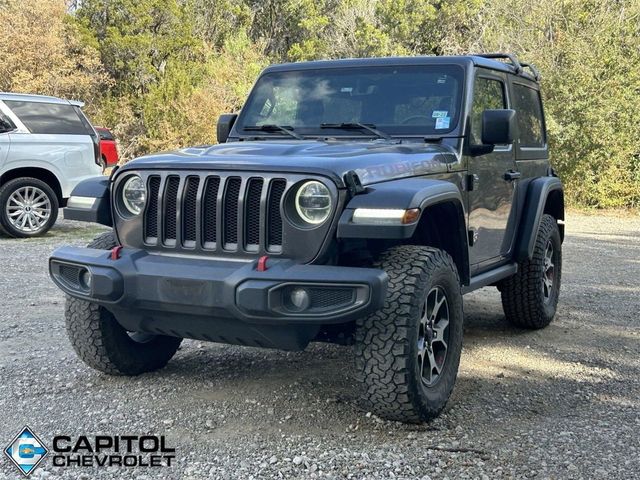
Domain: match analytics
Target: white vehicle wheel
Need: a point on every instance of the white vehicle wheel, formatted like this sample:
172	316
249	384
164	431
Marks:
28	207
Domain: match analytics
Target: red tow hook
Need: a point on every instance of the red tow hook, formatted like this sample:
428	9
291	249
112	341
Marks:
262	263
115	252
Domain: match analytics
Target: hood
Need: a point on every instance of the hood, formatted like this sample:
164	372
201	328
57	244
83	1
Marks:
373	161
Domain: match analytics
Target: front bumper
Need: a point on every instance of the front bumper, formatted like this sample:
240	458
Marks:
202	298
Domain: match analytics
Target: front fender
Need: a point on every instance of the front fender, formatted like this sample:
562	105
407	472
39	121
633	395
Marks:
538	192
397	194
90	202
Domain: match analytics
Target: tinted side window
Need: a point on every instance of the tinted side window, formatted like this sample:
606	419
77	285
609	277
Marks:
105	134
529	115
53	118
488	95
6	125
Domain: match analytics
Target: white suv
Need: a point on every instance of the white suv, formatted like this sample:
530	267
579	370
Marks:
47	146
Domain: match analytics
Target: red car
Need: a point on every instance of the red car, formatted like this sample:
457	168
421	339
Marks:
108	148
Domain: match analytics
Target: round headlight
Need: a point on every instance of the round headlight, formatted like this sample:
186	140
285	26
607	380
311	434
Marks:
134	194
313	202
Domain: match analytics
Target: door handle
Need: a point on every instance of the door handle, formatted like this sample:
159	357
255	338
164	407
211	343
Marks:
511	175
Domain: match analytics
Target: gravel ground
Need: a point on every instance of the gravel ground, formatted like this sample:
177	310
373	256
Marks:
558	403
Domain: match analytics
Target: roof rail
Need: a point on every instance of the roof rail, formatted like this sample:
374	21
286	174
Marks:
507	56
534	71
517	65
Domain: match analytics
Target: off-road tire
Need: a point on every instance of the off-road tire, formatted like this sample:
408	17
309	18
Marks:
104	241
523	294
387	342
8	189
103	344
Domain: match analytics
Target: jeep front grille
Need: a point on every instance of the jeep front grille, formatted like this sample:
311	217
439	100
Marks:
214	212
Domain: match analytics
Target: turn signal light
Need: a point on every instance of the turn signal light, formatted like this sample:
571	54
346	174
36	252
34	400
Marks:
385	216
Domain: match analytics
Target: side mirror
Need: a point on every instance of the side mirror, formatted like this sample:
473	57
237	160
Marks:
225	124
498	126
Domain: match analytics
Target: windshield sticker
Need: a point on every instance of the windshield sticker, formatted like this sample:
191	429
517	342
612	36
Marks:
442	122
439	114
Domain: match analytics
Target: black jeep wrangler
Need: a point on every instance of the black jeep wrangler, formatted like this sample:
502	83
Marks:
351	201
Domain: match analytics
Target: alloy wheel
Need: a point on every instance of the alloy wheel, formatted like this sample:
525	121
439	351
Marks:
28	209
433	336
548	274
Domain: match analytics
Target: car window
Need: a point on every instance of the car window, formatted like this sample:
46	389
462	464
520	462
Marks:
488	95
402	99
529	108
52	118
104	134
6	125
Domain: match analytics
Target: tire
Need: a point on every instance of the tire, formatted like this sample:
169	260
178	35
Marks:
30	199
103	344
390	344
530	297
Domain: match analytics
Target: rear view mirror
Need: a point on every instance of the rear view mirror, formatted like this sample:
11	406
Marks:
498	126
225	124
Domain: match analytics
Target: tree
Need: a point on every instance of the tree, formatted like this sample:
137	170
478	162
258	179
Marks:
171	80
179	112
42	52
137	39
217	21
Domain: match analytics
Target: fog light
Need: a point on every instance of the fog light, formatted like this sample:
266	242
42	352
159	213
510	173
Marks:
86	279
299	299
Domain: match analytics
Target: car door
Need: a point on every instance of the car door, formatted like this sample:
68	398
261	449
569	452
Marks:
490	198
6	126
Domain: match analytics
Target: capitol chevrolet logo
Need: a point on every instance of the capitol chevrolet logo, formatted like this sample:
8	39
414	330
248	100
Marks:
26	451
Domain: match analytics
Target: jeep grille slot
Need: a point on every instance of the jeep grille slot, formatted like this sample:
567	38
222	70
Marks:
189	216
274	241
171	210
210	213
252	214
151	216
207	212
230	219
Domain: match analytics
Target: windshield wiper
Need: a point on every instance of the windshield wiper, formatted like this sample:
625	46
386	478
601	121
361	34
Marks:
358	126
273	128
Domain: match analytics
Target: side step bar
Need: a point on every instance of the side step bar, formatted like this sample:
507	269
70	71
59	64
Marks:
490	277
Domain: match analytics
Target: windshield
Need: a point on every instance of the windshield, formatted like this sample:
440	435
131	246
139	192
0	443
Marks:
397	100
